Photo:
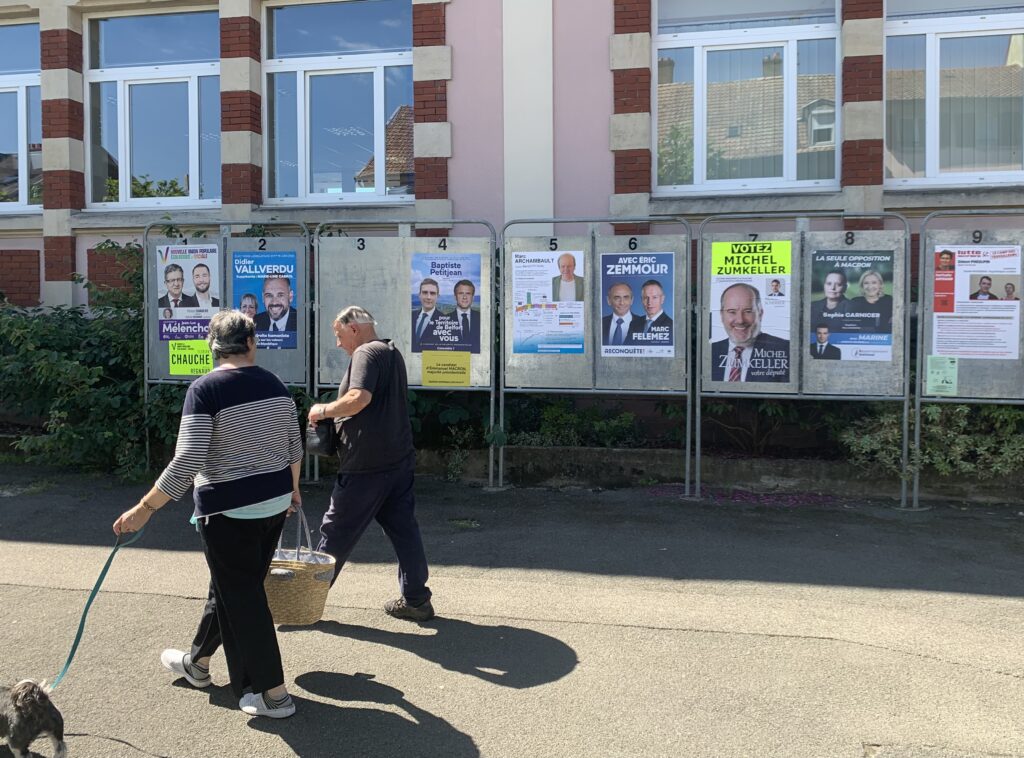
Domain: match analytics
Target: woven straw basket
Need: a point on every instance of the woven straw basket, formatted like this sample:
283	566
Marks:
299	580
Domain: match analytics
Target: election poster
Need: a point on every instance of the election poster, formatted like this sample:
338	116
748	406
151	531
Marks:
265	287
976	301
750	307
188	279
548	302
851	305
446	305
638	301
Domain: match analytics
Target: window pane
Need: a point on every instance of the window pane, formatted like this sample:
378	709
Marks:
103	142
356	26
675	116
904	9
19	48
8	147
398	132
904	107
34	134
745	118
676	16
816	109
981	103
209	136
159	139
152	40
340	133
283	179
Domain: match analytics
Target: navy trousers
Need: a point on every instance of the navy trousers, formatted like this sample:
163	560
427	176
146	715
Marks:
388	497
238	552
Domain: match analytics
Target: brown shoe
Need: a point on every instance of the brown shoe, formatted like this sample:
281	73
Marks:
402	610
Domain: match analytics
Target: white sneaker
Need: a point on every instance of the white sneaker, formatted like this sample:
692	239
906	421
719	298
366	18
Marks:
253	704
181	664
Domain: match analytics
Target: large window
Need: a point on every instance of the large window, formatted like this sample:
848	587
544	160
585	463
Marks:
954	96
339	118
153	110
21	120
746	99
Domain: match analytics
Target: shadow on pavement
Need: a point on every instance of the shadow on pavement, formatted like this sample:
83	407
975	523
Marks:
502	655
319	729
823	540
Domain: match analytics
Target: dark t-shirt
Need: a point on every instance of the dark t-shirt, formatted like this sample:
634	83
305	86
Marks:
379	437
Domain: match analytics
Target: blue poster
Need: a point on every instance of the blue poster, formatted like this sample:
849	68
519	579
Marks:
636	304
446	307
266	289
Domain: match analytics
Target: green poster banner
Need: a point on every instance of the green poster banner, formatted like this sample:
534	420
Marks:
189	357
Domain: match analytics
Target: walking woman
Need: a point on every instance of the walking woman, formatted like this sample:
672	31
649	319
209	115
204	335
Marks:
239	443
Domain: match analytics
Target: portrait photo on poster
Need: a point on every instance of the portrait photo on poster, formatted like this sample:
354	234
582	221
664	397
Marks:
446	308
187	279
548	295
265	287
851	308
749	332
976	301
637	305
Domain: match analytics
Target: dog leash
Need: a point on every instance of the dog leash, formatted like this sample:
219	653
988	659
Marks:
118	544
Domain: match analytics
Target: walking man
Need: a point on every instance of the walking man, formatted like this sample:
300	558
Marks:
376	460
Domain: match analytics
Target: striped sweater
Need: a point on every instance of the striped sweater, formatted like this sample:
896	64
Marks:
238	435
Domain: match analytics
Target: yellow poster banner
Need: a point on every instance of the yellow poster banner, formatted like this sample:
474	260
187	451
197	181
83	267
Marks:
445	368
751	258
189	357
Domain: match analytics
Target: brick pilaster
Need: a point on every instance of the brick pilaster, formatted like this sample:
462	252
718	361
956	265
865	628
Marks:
431	128
63	145
241	103
630	143
862	149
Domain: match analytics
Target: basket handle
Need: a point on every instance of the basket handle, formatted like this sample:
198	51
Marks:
301	525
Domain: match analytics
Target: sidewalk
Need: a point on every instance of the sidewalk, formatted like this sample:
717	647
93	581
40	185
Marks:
571	623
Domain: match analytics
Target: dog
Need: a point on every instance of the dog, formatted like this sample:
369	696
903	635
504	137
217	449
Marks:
26	712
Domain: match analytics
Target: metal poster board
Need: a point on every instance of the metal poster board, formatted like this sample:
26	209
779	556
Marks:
641	307
750	313
432	295
548	326
268	278
972	343
853	303
184	288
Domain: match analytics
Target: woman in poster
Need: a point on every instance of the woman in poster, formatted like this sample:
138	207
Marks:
873	300
828	310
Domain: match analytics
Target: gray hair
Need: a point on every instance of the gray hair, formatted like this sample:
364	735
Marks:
354	314
229	334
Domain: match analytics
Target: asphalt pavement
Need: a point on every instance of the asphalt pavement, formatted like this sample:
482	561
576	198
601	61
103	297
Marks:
570	623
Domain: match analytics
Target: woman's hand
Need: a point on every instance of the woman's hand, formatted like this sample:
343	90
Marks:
316	413
296	502
132	520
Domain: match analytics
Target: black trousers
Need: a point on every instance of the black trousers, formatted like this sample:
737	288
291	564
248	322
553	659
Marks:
238	552
388	497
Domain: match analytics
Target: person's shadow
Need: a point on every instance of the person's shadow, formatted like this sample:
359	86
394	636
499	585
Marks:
504	655
320	729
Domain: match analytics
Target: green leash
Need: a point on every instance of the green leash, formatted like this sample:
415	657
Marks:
88	603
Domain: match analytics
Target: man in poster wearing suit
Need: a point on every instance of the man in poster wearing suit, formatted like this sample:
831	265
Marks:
426	316
467	323
174	281
201	280
655	328
747	354
820	349
617	325
567	286
278	316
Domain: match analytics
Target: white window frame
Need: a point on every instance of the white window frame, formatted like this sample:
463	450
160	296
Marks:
304	68
812	115
124	77
934	30
18	84
786	37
